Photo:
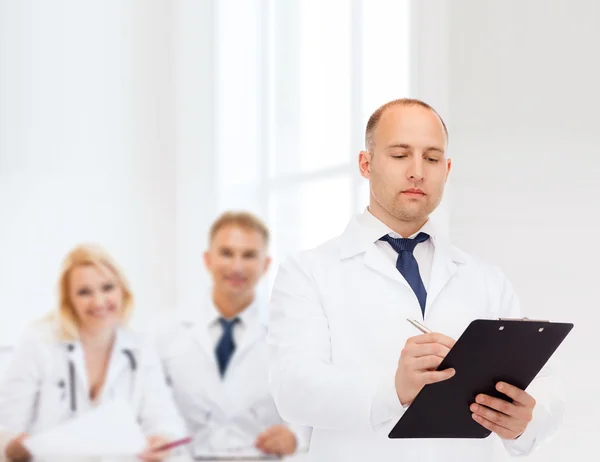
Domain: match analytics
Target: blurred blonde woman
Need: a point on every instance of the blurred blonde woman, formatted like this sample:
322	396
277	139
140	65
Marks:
83	355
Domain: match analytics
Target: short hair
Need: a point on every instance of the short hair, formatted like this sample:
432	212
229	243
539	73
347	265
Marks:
87	255
376	117
241	219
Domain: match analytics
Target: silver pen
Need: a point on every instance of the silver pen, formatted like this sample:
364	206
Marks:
419	326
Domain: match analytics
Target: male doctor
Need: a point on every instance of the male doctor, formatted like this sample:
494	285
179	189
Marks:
345	361
215	356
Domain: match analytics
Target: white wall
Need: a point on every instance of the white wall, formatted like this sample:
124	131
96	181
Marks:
197	193
521	88
86	147
107	134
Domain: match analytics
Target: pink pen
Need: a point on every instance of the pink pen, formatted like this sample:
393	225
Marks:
173	444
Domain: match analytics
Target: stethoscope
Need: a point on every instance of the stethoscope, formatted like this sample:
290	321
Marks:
72	385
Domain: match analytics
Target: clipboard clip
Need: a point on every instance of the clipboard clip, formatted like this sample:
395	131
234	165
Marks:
523	319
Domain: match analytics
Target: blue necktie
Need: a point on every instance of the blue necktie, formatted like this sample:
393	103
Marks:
226	345
407	263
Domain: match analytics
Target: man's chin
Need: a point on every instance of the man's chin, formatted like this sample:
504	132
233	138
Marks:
410	215
235	290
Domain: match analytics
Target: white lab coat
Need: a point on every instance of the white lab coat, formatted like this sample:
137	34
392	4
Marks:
225	416
35	391
338	325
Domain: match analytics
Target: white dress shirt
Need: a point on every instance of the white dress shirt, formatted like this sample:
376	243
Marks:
423	251
215	329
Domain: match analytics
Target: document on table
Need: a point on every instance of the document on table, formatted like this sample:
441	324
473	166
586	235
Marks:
108	430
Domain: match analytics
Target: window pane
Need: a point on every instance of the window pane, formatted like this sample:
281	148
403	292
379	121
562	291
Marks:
308	214
310	127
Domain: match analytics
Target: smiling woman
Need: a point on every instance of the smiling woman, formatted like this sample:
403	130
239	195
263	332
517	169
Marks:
82	356
94	295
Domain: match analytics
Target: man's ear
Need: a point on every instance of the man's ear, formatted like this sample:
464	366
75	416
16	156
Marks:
207	260
267	265
449	168
364	164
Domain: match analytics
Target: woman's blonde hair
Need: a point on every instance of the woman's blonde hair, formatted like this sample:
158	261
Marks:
87	255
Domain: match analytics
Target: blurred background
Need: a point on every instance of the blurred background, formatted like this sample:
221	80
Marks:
133	124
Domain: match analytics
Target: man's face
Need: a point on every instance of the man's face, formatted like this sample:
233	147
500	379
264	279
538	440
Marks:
237	259
408	167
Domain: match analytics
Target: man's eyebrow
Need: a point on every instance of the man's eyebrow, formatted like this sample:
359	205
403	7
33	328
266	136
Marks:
400	145
433	148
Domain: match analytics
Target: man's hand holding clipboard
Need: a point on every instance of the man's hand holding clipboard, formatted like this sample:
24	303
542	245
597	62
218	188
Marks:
507	414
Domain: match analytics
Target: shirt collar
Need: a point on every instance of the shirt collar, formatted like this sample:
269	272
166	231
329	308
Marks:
247	317
365	229
373	228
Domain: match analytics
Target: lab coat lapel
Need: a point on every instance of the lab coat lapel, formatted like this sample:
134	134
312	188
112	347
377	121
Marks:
119	359
376	260
354	241
204	341
244	378
208	370
79	381
255	332
444	266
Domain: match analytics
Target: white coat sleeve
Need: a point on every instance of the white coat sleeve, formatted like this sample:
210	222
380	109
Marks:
303	435
158	334
307	388
263	414
158	413
19	389
546	389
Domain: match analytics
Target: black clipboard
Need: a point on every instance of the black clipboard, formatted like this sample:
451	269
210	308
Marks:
488	351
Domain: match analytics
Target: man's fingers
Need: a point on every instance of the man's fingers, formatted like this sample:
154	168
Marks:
426	363
514	425
271	440
278	441
437	376
425	349
518	396
501	431
261	446
264	436
261	441
434	337
276	444
493	416
500	405
267	439
269	445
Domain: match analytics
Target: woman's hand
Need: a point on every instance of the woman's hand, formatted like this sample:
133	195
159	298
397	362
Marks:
16	451
151	453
